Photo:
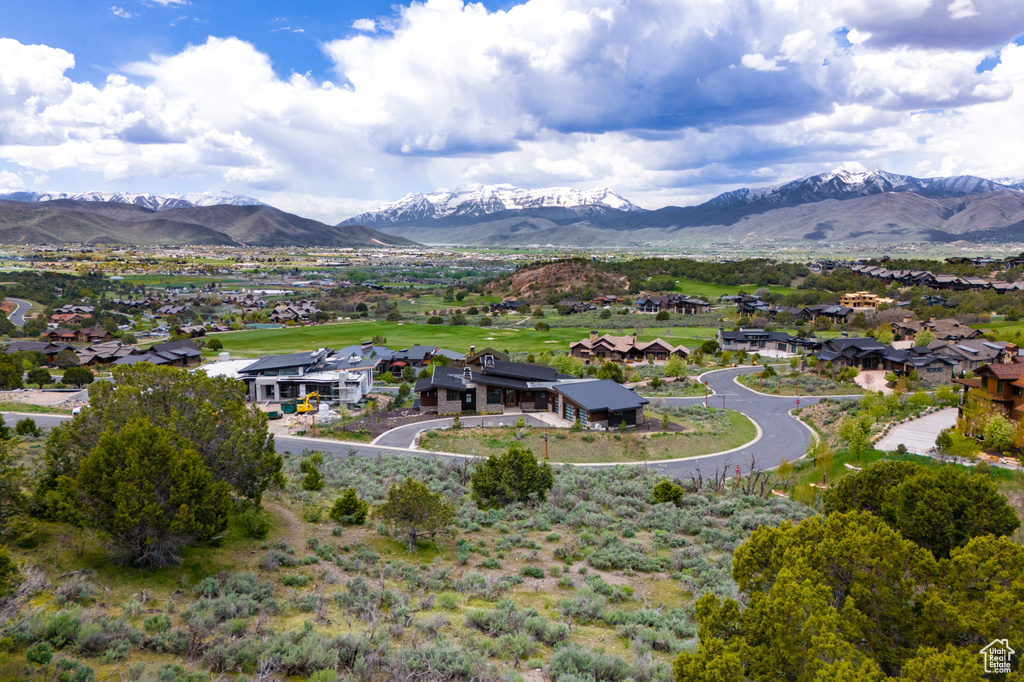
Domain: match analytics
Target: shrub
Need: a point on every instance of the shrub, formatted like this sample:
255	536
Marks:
313	479
350	509
253	523
666	491
27	427
532	572
39	653
577	661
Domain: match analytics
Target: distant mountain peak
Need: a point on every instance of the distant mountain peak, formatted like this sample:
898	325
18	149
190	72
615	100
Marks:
154	202
479	200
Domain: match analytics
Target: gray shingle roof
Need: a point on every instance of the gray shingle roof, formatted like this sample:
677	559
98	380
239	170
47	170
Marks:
601	394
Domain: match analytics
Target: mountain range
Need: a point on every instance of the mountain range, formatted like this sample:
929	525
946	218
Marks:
845	206
851	206
90	221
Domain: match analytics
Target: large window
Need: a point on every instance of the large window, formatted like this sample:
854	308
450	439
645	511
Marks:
570	412
454	395
493	396
584	417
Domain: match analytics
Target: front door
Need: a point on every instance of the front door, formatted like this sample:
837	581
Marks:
510	397
541	400
469	401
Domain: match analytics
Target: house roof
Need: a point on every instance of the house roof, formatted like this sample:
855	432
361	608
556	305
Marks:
1005	372
600	394
303	359
519	370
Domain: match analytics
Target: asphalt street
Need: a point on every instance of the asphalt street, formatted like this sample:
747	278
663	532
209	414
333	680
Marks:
17	316
781	435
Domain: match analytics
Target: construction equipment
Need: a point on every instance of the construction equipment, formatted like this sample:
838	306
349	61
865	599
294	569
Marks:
289	407
305	407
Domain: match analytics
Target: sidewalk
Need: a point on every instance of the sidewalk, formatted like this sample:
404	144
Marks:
919	435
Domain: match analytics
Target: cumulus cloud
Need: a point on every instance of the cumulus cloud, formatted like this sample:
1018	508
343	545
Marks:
666	102
121	12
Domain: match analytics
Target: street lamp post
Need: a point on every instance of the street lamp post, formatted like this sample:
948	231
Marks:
545	445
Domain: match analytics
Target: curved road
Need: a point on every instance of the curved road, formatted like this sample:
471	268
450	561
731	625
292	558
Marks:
782	436
17	316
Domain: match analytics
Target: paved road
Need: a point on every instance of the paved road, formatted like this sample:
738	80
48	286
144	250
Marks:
17	316
919	434
782	436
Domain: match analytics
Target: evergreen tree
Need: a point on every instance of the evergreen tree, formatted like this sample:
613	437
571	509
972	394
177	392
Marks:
150	496
413	512
513	476
208	414
349	508
313	479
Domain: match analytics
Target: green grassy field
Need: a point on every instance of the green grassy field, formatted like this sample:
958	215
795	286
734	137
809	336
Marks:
296	339
713	291
178	280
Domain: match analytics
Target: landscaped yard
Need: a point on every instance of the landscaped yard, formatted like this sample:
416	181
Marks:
706	431
801	384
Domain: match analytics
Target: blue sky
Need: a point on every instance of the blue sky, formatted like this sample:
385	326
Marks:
328	108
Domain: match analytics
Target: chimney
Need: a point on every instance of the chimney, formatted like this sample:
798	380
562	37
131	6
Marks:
366	347
472	350
593	336
634	337
467	374
845	335
931	319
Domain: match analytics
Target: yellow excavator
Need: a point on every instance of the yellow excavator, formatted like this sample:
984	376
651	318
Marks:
305	406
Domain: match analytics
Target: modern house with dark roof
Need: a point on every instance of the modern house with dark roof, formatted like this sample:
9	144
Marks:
503	386
337	378
759	340
866	353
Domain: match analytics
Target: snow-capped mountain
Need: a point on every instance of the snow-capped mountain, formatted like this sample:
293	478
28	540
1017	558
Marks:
155	202
478	201
848	183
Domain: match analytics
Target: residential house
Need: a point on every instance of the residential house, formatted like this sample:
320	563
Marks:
106	353
866	353
862	299
485	357
1003	383
416	357
969	354
61	334
946	329
171	353
510	386
673	303
758	340
623	349
509	306
94	334
70	318
336	378
571	307
47	348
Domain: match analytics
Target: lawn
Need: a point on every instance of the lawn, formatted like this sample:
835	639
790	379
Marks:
399	335
731	429
712	291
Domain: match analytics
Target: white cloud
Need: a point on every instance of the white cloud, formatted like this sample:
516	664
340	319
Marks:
962	9
637	96
10	181
759	62
121	12
171	3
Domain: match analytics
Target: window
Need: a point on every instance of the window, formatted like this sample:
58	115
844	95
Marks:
554	404
493	395
454	395
570	412
584	417
1017	391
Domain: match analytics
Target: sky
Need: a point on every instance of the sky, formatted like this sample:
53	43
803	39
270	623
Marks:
328	108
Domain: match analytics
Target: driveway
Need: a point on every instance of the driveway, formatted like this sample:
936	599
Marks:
919	435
